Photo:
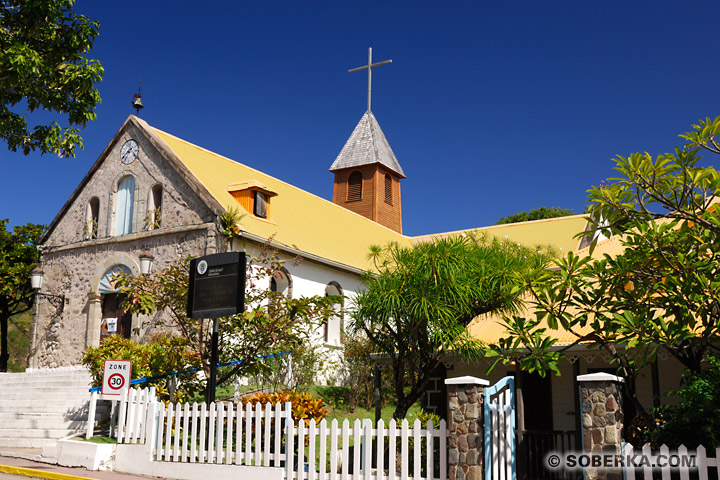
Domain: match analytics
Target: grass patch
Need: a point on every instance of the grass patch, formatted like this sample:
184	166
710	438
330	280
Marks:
100	439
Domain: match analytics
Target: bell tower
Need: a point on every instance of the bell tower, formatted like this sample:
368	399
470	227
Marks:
367	174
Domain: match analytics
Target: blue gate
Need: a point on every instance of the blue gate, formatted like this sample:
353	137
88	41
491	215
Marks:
500	444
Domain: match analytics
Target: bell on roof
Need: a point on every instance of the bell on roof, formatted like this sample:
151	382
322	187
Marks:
137	102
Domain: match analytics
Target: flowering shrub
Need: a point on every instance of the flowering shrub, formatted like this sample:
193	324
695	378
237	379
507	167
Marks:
304	406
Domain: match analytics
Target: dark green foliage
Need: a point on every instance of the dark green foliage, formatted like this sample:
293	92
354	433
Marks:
335	396
18	256
19	341
695	420
537	214
44	66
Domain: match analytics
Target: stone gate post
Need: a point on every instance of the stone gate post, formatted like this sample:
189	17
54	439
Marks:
602	419
465	427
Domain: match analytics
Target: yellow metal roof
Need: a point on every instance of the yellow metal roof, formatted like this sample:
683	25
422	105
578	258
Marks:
559	232
298	219
310	224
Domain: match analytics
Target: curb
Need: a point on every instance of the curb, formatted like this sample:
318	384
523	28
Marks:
29	472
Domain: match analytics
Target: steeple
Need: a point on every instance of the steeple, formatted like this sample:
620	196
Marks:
367	174
367	145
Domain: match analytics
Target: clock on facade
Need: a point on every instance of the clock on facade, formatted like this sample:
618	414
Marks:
129	152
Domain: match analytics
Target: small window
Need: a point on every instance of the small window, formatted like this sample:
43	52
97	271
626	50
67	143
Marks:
281	282
124	204
153	219
388	189
333	327
260	209
92	213
354	193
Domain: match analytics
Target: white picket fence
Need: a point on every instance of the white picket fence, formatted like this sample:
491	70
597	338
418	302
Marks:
228	433
127	418
702	467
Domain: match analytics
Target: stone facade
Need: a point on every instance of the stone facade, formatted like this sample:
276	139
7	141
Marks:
602	419
465	429
75	259
74	262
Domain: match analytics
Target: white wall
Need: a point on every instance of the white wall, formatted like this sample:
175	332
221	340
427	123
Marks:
310	278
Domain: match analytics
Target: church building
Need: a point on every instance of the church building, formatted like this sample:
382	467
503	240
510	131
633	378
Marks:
151	198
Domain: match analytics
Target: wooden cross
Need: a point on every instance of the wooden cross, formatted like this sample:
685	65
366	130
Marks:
369	68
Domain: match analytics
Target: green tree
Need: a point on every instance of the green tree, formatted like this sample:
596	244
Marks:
695	419
271	322
44	66
19	329
18	256
416	306
662	292
537	214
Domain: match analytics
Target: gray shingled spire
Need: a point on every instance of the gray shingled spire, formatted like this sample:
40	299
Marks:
367	145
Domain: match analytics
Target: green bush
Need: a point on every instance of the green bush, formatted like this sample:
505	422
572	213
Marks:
162	355
359	370
695	420
335	396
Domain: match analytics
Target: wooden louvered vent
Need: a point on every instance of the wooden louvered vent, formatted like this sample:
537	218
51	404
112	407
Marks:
388	189
354	187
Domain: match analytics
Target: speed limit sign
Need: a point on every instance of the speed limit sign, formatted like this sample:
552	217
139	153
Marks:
116	376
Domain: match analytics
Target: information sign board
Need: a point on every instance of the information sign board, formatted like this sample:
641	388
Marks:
217	285
116	376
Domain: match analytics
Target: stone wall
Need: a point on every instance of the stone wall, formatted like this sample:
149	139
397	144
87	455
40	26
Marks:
76	273
180	205
602	419
465	428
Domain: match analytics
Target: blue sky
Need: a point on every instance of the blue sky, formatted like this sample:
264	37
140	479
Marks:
490	107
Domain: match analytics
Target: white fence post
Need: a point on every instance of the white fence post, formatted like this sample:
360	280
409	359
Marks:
152	422
121	416
289	442
90	430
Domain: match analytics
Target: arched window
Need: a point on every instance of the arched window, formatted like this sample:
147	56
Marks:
153	218
124	204
388	189
92	213
334	326
281	282
354	192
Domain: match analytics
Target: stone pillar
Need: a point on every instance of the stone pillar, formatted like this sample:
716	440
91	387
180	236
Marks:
94	320
602	419
465	427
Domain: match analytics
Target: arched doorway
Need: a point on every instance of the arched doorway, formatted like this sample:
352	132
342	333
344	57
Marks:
114	319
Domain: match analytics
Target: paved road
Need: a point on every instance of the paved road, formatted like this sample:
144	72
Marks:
9	476
17	468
